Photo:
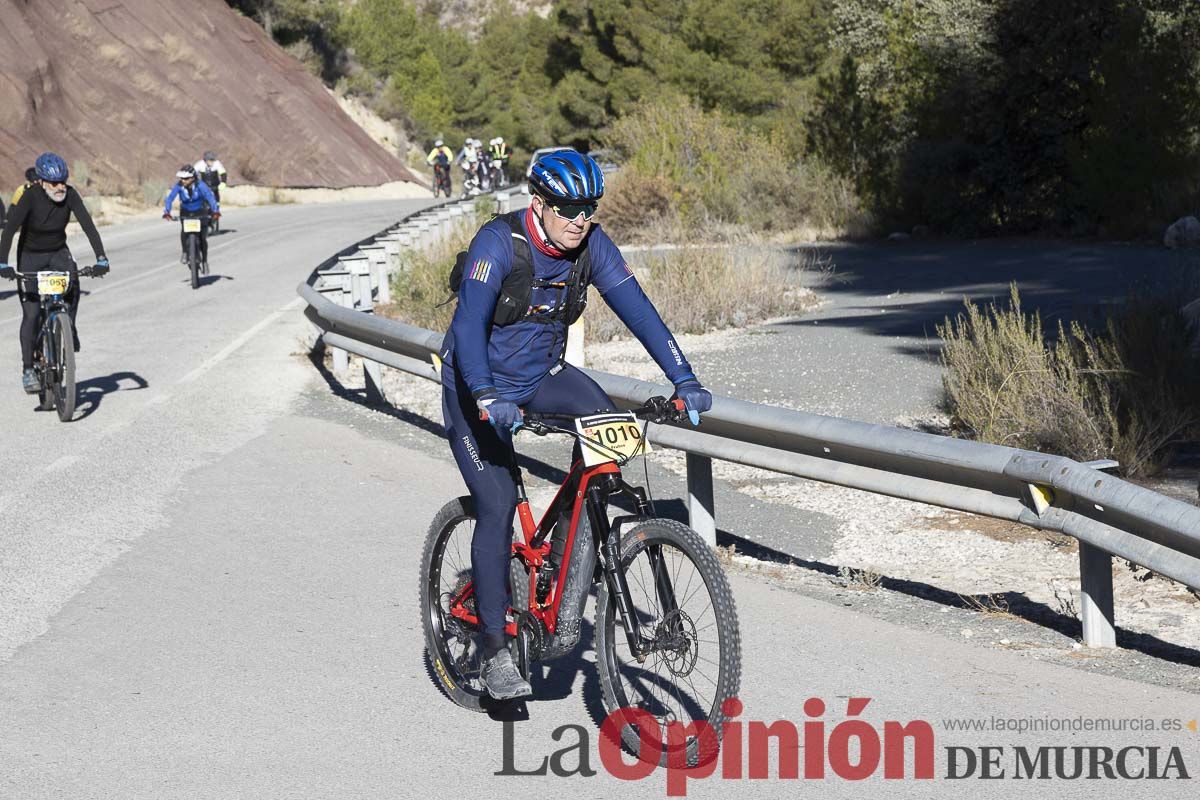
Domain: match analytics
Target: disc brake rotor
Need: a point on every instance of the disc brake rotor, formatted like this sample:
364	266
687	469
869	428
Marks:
675	641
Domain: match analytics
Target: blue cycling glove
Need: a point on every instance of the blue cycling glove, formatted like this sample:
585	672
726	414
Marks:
500	412
101	267
695	398
7	271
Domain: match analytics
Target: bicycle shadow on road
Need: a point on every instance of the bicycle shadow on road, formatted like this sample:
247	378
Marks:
208	280
91	393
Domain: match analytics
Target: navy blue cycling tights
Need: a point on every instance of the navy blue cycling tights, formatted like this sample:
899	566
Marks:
485	458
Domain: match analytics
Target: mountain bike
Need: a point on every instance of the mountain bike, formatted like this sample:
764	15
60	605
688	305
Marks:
441	179
193	228
666	629
499	175
54	348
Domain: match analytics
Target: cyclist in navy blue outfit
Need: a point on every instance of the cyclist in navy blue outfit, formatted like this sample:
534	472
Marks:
196	199
524	280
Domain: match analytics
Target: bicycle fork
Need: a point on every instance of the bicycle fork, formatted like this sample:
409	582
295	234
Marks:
609	536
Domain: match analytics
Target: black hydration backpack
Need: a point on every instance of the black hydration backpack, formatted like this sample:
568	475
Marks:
513	304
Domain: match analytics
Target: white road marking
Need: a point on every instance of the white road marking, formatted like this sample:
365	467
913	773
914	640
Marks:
237	343
62	462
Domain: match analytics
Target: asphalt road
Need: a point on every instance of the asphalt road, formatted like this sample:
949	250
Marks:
207	587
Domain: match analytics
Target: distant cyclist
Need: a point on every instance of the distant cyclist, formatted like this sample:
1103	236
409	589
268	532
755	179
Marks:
41	215
31	179
195	200
503	357
440	158
498	154
211	171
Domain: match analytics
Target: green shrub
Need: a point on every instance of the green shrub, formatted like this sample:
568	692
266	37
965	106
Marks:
1129	393
710	173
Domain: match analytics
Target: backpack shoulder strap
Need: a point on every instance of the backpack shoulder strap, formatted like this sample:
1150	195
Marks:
513	302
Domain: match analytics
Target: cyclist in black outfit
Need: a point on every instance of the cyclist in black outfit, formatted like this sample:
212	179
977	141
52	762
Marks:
41	215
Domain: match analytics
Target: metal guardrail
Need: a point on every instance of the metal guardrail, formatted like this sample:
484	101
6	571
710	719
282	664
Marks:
1108	516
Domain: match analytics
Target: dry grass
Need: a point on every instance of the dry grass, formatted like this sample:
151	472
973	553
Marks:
1129	393
862	580
420	286
990	605
697	290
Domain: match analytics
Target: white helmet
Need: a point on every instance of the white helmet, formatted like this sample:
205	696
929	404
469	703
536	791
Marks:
499	140
438	143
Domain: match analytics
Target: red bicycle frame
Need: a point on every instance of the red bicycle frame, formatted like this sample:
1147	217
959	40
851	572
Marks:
536	546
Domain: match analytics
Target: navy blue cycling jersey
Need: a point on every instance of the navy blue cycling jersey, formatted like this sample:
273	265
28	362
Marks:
513	359
193	199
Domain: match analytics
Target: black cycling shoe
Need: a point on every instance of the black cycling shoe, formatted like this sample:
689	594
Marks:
30	381
502	679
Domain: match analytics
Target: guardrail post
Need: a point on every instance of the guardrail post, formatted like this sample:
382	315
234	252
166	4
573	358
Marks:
502	202
700	498
377	266
574	350
373	381
1096	596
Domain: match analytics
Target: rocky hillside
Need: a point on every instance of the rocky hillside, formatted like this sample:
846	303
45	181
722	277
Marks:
127	90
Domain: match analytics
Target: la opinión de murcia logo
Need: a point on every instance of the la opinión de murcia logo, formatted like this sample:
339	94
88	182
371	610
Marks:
853	749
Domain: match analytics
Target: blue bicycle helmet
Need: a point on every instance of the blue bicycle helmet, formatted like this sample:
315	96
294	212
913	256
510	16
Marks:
50	167
567	175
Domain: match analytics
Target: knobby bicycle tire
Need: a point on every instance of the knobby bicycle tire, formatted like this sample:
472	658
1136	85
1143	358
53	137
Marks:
193	260
454	664
610	637
63	337
46	370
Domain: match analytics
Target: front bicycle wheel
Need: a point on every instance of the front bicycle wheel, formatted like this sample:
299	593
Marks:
687	627
451	643
62	336
44	364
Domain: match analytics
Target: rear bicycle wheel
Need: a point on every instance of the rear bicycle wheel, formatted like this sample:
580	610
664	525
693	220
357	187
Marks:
451	644
62	335
686	620
193	261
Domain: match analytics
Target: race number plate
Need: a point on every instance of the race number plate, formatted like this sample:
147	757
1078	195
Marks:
53	282
611	437
191	226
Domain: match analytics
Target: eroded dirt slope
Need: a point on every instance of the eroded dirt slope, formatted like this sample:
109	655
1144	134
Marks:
133	88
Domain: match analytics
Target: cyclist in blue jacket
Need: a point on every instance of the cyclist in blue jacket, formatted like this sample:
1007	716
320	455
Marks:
503	352
195	200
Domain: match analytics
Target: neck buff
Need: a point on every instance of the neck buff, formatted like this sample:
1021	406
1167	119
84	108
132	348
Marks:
534	226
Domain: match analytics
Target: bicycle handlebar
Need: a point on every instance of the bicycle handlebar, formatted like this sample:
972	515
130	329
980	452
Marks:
658	409
84	272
